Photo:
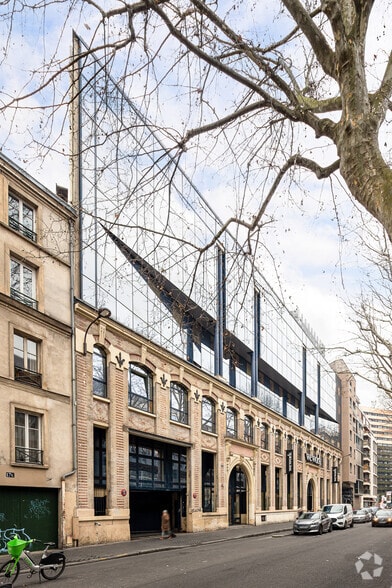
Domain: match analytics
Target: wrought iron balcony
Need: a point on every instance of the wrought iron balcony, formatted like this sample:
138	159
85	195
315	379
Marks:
28	455
28	377
16	295
22	229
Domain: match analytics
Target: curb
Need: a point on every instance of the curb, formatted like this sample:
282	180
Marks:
173	546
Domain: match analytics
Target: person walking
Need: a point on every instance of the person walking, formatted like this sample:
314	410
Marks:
166	532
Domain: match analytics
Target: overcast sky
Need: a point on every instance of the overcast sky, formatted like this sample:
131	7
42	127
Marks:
312	259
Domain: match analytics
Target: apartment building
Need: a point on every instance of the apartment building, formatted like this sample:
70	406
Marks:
370	464
381	425
352	435
35	356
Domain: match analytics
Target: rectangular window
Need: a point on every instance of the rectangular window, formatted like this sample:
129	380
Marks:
21	217
208	482
264	488
264	436
278	442
99	471
26	368
178	403
248	429
28	442
22	283
154	465
99	372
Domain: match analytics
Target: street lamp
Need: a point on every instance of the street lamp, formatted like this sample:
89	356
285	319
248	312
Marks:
102	313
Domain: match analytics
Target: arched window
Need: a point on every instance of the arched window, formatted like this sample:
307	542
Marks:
99	372
178	403
231	423
208	415
248	429
140	387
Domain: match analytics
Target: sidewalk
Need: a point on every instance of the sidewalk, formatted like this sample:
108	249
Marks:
149	544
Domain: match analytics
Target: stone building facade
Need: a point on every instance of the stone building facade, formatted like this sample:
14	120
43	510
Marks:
155	431
35	358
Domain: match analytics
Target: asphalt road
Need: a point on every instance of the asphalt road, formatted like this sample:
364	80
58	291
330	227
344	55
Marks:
358	557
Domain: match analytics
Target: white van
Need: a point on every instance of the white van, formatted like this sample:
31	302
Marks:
340	514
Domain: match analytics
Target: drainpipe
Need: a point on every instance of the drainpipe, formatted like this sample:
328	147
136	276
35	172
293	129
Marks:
73	378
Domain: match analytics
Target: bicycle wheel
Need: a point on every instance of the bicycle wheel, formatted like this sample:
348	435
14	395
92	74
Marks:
9	573
55	570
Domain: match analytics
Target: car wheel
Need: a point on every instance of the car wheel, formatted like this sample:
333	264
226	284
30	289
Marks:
352	524
320	530
345	525
330	529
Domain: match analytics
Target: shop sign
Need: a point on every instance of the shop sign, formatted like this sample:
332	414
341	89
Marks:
316	459
335	479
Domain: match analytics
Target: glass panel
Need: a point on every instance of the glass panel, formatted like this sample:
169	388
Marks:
15	275
13	208
231	426
178	403
34	438
208	415
99	372
31	355
20	435
18	351
27	281
28	217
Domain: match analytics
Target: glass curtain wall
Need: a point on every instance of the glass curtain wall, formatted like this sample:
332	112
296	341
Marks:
132	186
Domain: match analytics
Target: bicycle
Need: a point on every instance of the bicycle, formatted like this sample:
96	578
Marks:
51	565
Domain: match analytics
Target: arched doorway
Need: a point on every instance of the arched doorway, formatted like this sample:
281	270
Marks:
238	513
310	496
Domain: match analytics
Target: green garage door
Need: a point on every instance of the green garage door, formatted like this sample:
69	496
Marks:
29	512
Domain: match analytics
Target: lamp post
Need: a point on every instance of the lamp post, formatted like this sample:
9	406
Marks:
102	313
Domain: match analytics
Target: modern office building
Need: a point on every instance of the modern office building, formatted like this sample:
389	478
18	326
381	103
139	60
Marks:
36	357
201	392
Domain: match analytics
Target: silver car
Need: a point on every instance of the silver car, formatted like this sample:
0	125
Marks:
361	516
312	522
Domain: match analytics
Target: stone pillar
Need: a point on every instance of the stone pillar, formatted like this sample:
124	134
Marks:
283	472
271	477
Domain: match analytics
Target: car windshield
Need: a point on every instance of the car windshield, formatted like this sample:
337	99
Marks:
359	512
384	513
333	508
309	515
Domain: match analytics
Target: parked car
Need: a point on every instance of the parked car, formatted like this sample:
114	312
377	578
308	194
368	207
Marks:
361	516
312	522
382	518
341	515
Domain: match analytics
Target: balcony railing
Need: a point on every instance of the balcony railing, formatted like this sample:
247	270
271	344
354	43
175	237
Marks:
25	231
28	455
16	295
100	502
28	377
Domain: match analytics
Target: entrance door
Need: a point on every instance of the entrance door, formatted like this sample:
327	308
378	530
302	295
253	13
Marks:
310	497
237	497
